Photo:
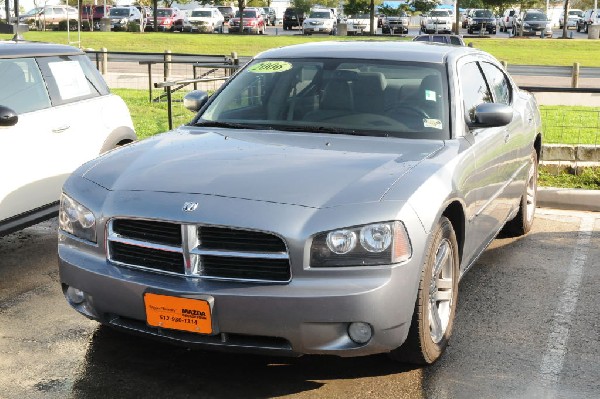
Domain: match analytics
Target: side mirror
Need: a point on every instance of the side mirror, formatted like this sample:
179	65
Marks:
492	115
195	100
8	117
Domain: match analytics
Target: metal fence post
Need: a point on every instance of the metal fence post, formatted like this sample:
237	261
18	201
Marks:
167	59
575	75
236	62
169	108
104	69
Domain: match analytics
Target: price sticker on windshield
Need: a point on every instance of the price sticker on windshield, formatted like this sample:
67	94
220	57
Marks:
270	67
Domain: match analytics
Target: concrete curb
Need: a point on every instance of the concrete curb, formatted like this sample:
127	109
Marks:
566	198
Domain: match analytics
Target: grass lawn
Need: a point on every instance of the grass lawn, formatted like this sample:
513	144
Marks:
514	51
571	125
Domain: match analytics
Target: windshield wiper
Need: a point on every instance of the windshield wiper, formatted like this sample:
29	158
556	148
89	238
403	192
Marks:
331	130
229	125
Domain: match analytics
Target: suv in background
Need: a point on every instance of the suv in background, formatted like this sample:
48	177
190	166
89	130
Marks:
506	22
121	16
573	15
532	23
395	24
589	17
321	20
227	12
48	17
56	113
481	20
270	15
292	17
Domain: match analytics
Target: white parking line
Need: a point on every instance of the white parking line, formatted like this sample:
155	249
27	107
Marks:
556	348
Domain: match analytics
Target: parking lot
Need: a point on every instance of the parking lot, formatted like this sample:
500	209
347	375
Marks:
526	326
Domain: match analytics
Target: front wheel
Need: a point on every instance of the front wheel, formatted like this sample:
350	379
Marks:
437	297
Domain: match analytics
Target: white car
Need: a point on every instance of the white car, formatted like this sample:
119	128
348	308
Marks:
320	21
359	24
56	112
437	21
506	22
573	17
205	19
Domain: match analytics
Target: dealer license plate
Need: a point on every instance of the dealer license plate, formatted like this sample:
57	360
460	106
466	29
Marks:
178	313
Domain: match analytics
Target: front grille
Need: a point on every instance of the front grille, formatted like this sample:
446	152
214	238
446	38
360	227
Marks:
198	251
147	257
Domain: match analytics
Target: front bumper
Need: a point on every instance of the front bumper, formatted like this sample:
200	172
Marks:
317	29
438	27
308	315
247	29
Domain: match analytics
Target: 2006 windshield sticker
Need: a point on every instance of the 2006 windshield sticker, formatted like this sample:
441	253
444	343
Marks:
270	67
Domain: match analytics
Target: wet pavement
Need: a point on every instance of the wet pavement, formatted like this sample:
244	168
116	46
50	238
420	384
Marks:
527	326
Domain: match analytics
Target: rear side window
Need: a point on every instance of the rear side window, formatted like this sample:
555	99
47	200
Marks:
21	86
71	78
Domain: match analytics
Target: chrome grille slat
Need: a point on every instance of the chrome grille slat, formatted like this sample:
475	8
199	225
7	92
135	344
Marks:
198	251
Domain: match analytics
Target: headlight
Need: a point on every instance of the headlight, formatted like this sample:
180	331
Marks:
369	245
525	25
123	20
549	25
76	219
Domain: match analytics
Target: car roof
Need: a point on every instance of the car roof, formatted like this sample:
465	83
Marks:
378	50
20	49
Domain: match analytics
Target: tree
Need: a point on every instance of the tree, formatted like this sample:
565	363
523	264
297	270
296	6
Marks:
423	5
353	7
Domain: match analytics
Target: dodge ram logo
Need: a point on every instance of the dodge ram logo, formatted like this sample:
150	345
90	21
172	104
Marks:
190	206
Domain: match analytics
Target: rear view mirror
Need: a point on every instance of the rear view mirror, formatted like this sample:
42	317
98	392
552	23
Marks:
195	100
8	117
492	115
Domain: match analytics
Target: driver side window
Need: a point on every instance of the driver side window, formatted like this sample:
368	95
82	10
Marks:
474	88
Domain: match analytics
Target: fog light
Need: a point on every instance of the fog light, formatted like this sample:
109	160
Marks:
360	332
75	296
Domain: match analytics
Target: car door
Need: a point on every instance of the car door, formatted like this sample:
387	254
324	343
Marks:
486	213
27	150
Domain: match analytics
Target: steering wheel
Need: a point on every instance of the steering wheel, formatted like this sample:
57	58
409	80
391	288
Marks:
408	114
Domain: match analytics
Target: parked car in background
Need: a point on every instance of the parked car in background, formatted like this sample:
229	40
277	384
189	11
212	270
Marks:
56	112
292	18
270	15
327	200
205	20
168	19
397	24
589	17
49	17
437	21
91	15
227	12
321	20
358	24
481	21
573	15
455	40
464	17
506	22
253	22
122	16
532	22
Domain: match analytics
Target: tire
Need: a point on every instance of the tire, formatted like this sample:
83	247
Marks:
585	28
578	28
521	224
435	307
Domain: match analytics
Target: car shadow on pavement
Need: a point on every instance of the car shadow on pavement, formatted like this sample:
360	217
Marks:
126	366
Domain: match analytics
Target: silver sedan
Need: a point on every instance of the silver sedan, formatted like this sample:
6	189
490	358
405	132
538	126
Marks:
326	200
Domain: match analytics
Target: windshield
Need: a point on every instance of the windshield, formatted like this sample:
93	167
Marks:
247	14
483	14
205	14
576	13
536	16
439	14
360	16
32	12
360	97
320	14
164	13
119	12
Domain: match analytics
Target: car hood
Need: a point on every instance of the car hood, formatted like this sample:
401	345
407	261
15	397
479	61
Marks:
312	170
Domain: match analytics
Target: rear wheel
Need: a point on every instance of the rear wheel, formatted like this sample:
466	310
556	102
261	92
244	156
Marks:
522	222
435	308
